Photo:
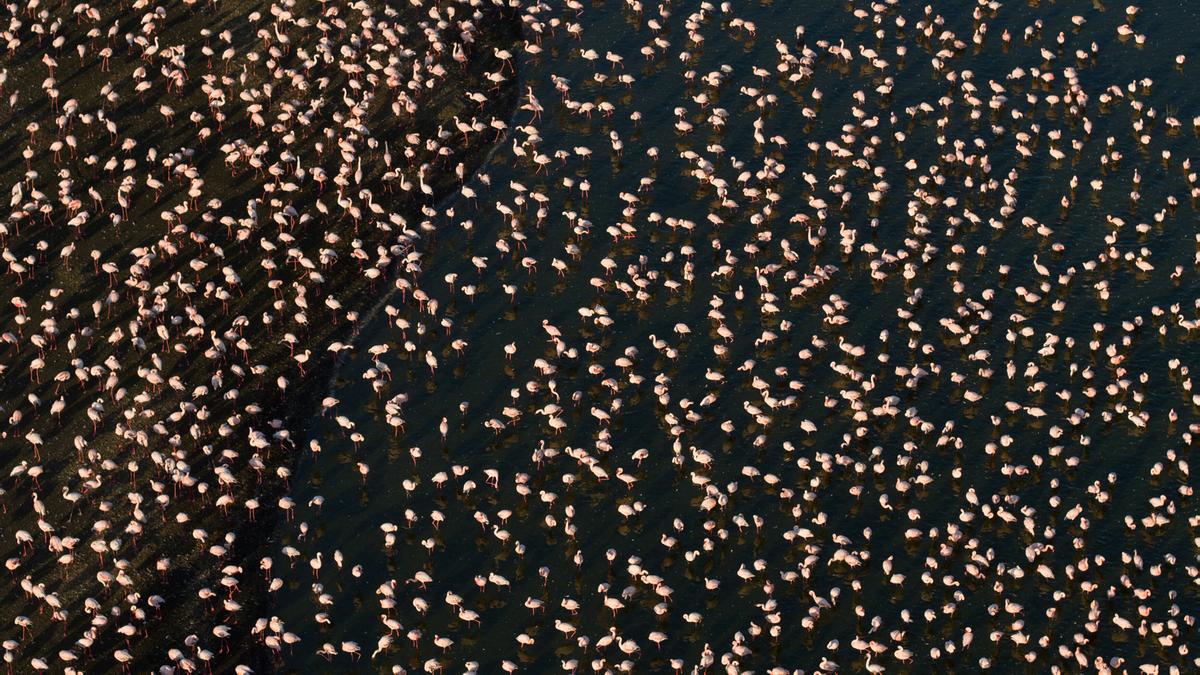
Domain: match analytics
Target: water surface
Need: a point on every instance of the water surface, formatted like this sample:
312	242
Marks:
970	453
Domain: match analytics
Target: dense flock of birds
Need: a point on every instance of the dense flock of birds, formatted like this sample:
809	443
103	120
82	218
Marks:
878	360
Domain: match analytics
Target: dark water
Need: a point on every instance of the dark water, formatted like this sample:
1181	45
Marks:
968	453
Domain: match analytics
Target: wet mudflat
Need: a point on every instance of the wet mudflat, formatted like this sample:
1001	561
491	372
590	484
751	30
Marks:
202	198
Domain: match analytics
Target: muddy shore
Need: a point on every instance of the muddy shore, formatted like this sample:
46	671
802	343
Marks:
130	477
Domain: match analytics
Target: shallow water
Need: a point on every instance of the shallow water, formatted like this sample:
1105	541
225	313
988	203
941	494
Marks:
355	507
